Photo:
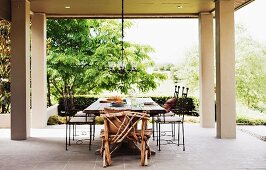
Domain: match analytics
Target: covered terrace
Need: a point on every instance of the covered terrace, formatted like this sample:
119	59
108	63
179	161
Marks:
23	13
211	145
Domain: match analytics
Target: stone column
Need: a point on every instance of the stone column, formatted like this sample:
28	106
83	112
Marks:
38	70
20	70
206	53
225	69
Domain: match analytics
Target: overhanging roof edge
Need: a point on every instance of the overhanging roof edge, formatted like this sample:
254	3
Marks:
130	16
240	6
244	4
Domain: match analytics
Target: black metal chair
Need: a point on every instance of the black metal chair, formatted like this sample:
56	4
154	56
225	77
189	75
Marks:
168	105
88	116
178	118
75	117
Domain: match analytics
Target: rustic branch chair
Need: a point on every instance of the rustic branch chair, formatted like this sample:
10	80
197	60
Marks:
120	127
178	118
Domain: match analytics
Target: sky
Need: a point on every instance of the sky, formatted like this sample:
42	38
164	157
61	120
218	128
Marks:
172	38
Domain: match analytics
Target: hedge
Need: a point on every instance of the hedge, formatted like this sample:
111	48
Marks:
192	104
81	102
241	120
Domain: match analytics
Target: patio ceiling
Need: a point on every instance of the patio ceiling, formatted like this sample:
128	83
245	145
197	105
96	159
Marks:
133	8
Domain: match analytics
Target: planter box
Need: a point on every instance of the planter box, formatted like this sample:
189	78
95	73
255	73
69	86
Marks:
5	120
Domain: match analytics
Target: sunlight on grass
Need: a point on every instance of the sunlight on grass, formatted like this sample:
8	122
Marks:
246	116
244	111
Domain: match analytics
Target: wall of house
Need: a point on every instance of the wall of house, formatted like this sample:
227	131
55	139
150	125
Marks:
5	9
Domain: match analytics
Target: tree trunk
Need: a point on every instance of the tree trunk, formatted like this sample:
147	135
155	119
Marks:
49	91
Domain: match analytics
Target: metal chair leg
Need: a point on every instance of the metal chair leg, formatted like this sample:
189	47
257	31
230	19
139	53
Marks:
178	135
75	130
73	133
152	128
159	137
90	136
69	134
174	131
183	133
66	137
93	131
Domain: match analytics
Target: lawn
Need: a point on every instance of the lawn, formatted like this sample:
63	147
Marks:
249	116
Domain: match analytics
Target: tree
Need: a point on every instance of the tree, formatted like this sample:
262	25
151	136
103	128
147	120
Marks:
5	66
67	42
250	70
187	73
79	54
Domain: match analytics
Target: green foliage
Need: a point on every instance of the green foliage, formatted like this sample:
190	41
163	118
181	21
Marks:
80	102
165	67
5	46
67	50
242	120
160	100
250	71
174	74
99	120
55	120
193	104
188	72
79	54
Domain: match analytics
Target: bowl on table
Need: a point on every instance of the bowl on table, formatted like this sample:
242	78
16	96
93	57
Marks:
117	104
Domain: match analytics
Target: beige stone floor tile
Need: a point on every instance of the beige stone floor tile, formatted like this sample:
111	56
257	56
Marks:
46	150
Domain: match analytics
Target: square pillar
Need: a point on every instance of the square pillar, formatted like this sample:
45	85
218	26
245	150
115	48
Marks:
20	70
206	54
38	70
225	69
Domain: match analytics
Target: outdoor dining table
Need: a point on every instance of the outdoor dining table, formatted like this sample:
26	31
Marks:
139	105
136	105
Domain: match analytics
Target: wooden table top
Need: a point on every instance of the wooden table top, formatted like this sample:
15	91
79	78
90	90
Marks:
141	104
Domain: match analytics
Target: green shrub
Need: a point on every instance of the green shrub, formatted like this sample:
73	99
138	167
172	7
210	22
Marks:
242	120
81	102
55	120
193	104
99	120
